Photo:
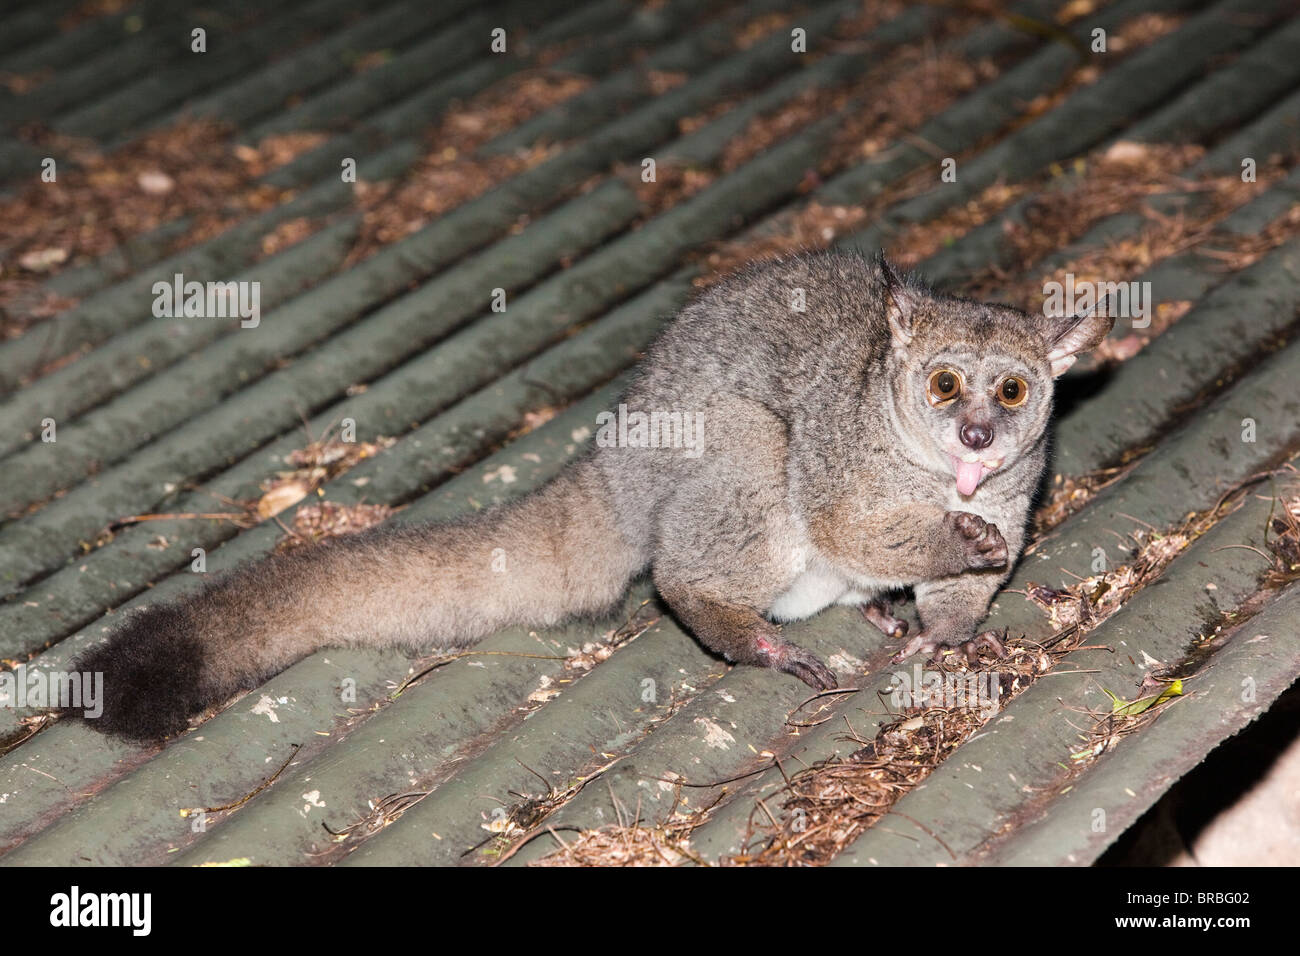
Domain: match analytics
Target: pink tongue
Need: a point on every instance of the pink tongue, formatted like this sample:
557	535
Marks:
968	475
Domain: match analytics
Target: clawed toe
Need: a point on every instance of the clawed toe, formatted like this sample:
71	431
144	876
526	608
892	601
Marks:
971	649
936	648
920	643
807	667
881	614
990	640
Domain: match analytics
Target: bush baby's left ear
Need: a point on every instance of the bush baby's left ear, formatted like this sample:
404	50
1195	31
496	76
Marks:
1080	333
900	303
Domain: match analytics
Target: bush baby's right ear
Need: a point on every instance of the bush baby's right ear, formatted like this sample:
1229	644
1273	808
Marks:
900	303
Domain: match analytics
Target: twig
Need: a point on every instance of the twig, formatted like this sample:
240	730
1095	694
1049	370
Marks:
239	803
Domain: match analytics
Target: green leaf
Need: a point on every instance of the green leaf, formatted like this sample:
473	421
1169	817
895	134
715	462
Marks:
1123	708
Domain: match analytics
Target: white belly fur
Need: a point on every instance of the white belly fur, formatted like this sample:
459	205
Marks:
819	588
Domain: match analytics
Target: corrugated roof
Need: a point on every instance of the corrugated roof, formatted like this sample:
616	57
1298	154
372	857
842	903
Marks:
1063	154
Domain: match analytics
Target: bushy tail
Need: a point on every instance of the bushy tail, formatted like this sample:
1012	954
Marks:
551	555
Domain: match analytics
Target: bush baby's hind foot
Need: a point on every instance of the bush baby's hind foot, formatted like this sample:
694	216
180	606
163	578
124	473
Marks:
801	663
741	634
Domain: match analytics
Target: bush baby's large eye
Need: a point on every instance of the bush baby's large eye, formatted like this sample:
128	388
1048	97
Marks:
1013	391
944	385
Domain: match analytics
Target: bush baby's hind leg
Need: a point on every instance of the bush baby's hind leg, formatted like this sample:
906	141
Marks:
741	634
727	547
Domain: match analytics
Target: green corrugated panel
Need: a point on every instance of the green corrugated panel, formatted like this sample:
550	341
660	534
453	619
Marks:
1089	114
468	732
1258	661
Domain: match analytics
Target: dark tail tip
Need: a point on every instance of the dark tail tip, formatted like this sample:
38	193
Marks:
152	669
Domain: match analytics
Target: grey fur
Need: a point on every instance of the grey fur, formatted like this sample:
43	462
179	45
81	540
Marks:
824	477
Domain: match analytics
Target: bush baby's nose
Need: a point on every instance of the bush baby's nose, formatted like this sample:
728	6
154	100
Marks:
975	436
